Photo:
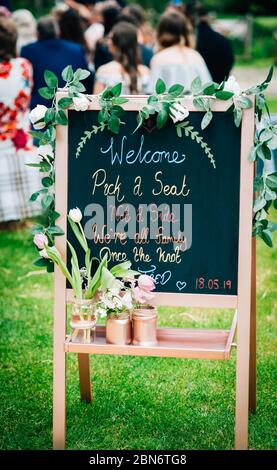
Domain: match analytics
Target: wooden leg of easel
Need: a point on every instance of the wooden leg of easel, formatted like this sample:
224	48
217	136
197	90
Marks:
59	363
84	377
253	365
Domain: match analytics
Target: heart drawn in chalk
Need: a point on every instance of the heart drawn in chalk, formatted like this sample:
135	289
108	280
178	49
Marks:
181	285
149	125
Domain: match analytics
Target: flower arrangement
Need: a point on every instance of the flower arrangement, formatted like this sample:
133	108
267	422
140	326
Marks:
84	284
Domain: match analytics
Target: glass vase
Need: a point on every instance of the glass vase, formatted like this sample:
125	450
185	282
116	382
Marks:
83	321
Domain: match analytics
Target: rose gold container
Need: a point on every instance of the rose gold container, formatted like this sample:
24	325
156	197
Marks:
145	326
118	329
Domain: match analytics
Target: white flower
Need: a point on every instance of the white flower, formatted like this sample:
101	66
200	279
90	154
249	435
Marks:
118	303
46	151
37	115
127	300
178	112
232	85
75	215
101	312
43	253
80	103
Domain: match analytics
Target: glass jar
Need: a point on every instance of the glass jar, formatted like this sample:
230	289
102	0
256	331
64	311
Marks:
83	321
145	326
118	329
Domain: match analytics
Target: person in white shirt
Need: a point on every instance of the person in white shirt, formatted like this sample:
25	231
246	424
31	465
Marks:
175	61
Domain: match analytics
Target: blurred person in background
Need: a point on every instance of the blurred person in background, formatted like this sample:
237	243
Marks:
126	67
95	30
134	14
26	28
51	53
17	181
102	55
176	61
72	29
215	49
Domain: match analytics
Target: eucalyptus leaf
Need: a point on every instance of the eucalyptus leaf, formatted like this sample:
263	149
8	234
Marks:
61	117
176	90
271	180
160	87
67	73
47	93
224	95
162	118
237	116
55	230
116	90
114	124
49	115
47	181
267	237
81	74
196	85
51	79
208	88
64	103
260	202
46	201
243	102
206	119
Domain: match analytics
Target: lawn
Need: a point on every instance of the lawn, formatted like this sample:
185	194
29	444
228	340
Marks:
139	403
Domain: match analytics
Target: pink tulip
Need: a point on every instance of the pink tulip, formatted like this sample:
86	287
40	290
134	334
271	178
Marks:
142	296
40	240
146	283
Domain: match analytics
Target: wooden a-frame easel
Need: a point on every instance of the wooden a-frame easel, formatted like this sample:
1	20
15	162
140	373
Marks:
201	344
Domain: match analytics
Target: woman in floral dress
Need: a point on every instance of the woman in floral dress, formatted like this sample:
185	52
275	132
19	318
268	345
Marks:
17	181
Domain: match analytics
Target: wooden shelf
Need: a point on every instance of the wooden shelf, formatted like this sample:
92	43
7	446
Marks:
172	342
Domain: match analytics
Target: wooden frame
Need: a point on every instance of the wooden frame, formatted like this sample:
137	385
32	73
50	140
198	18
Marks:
204	344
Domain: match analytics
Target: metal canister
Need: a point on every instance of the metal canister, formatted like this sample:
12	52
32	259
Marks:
118	329
145	326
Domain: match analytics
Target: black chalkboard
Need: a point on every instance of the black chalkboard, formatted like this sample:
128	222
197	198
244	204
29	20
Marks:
210	265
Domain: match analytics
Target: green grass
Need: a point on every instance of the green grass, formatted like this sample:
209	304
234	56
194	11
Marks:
272	103
139	403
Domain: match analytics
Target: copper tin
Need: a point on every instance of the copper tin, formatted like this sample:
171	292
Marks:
145	326
118	329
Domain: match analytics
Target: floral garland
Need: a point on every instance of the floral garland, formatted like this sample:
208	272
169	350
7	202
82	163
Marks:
162	105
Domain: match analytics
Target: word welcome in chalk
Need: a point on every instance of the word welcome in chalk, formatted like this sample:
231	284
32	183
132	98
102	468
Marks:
140	155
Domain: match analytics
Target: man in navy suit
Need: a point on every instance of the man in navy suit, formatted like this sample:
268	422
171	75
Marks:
51	53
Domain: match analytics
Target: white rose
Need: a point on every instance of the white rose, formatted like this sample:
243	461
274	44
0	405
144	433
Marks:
232	85
75	215
46	151
178	112
43	253
37	115
80	103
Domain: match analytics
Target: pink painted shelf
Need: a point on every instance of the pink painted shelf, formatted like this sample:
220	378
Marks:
172	342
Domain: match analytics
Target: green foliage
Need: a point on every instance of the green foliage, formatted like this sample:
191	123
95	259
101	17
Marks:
189	131
54	115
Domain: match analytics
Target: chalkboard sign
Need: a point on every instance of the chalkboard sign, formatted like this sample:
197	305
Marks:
154	167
